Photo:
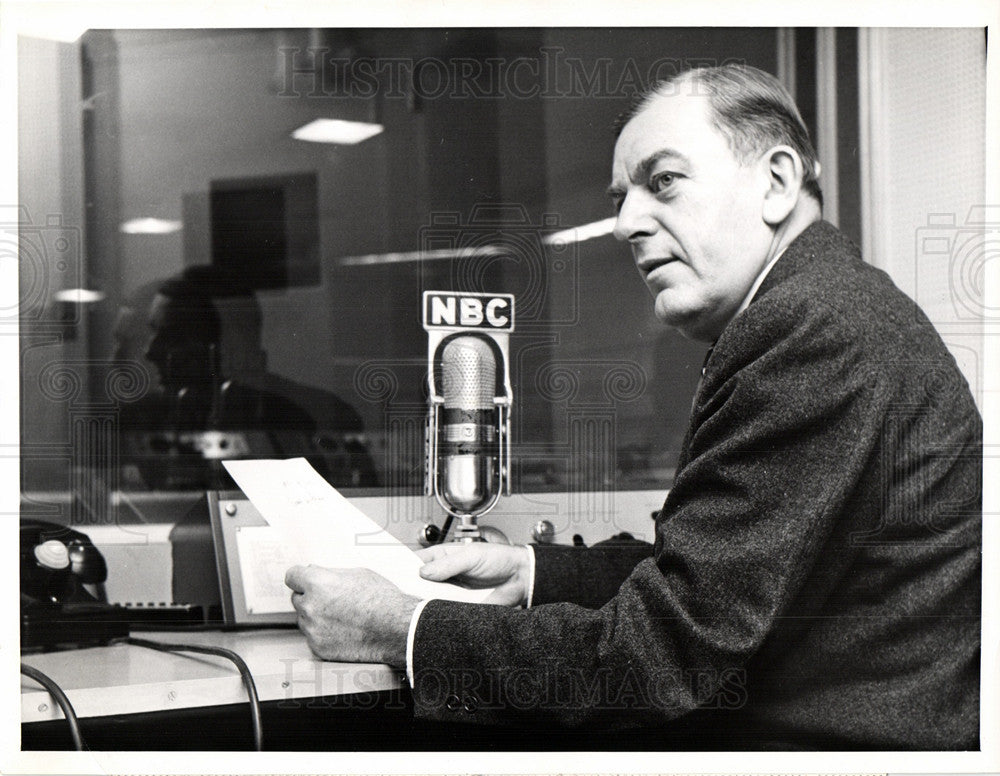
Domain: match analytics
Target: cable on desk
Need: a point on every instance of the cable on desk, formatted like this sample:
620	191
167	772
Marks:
248	683
60	697
444	529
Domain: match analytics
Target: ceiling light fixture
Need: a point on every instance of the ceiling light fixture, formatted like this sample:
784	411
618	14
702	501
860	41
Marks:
580	233
78	296
372	259
337	131
151	226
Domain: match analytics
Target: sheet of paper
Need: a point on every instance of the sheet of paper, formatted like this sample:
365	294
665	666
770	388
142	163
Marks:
318	525
263	561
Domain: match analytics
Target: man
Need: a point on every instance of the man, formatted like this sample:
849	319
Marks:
201	330
815	577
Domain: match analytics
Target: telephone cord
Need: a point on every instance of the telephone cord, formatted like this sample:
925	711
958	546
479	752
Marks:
247	677
60	697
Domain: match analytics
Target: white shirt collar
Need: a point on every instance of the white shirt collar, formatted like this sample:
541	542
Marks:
760	279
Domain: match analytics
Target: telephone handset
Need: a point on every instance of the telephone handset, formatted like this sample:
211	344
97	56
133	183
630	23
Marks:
56	563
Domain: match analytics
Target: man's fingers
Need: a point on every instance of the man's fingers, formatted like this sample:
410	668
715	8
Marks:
448	564
435	551
295	578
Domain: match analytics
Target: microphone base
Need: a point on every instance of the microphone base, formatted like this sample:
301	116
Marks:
467	531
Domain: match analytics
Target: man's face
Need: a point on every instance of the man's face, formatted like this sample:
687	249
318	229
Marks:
176	346
692	213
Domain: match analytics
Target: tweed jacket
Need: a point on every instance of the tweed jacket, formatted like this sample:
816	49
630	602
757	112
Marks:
815	576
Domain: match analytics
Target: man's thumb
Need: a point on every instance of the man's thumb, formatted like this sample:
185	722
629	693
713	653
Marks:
444	568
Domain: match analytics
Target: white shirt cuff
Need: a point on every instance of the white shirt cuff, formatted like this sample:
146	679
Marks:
411	632
531	576
409	639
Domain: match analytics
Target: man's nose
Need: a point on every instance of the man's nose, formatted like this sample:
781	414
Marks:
634	220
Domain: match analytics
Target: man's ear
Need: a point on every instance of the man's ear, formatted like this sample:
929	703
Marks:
784	174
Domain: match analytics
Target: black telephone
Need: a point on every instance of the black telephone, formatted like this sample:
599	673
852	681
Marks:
56	608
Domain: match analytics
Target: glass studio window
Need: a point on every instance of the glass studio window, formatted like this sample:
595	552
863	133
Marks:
226	234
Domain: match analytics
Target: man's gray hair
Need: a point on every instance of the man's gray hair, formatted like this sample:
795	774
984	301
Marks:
751	109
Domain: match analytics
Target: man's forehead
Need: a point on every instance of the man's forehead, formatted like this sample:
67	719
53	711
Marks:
159	301
677	118
677	126
161	310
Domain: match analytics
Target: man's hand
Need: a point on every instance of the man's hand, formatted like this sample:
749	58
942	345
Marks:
354	615
480	564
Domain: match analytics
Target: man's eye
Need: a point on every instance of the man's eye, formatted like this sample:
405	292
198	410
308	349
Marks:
662	181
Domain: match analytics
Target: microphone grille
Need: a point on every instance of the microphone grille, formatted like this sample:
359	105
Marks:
468	374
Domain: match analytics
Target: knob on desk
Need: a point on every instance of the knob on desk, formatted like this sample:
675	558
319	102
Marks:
543	532
429	534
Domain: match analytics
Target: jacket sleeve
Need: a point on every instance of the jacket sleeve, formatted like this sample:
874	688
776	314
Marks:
782	427
588	576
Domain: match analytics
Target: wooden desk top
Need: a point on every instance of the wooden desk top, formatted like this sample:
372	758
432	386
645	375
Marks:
125	679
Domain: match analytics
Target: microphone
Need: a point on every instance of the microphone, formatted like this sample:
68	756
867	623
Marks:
467	448
469	405
468	431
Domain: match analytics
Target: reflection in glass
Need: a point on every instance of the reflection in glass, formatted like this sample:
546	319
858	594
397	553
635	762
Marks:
213	398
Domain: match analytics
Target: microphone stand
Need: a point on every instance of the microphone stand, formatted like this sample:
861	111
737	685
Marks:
468	527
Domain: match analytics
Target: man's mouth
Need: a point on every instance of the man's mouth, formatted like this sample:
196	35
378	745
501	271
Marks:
648	266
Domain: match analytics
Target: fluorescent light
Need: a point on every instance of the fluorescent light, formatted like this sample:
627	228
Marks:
336	131
151	226
574	235
581	233
79	295
371	259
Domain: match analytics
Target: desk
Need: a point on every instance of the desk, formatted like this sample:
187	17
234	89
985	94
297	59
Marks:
124	679
130	697
133	698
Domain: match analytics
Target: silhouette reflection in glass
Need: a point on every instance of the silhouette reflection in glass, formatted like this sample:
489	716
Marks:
213	398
